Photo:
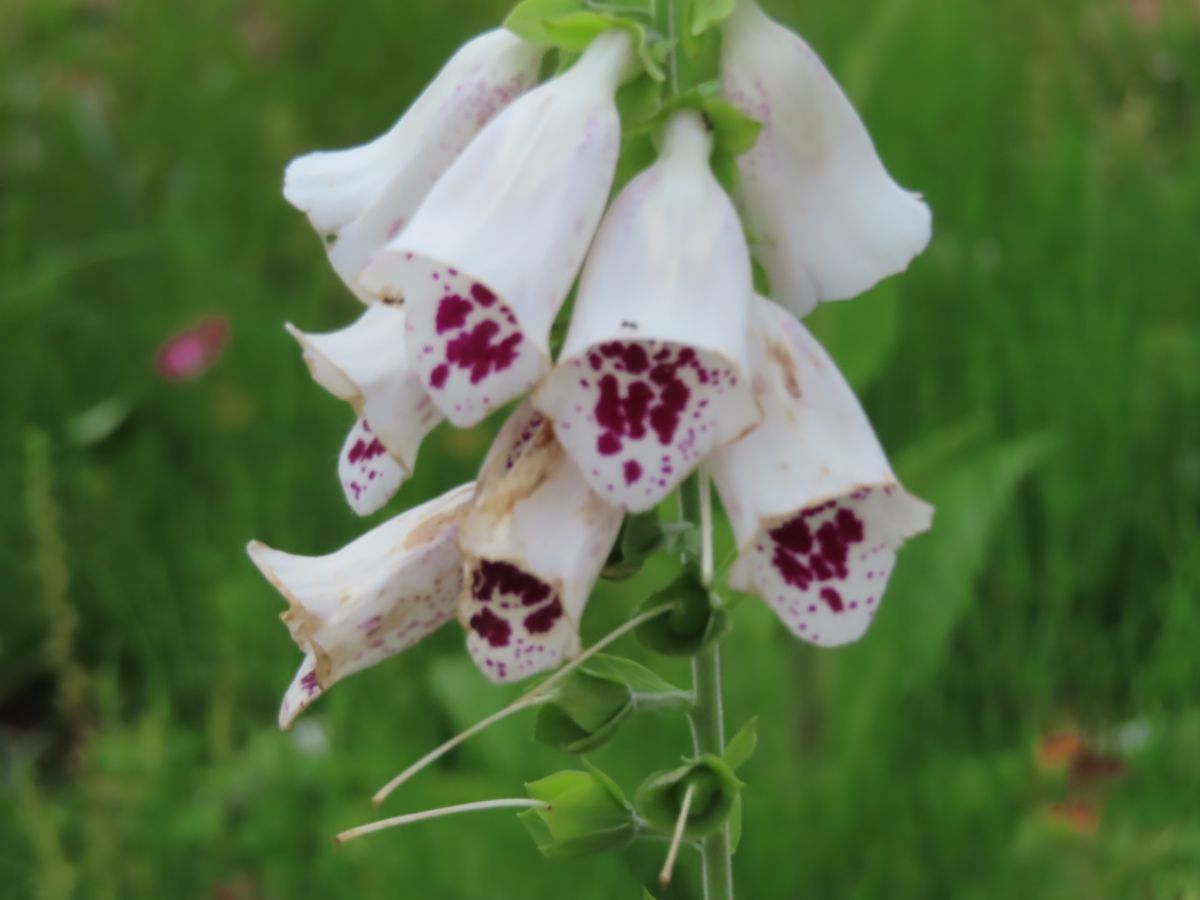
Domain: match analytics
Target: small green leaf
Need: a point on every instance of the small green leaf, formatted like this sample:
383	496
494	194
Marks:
100	422
707	13
642	682
741	748
735	824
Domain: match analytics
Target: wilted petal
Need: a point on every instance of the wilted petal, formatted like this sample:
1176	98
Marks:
816	510
535	540
831	221
361	198
490	256
371	599
370	476
368	365
654	372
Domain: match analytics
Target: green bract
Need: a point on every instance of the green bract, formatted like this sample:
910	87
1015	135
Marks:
586	813
693	624
714	787
570	25
590	706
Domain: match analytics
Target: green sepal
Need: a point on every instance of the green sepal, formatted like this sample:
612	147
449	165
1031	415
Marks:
734	132
590	706
570	25
705	14
742	746
715	791
586	813
694	622
642	536
584	715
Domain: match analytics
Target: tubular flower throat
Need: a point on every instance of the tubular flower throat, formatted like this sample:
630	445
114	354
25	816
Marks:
466	228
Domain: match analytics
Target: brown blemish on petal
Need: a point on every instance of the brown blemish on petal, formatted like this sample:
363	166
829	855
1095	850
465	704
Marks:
432	528
787	366
506	482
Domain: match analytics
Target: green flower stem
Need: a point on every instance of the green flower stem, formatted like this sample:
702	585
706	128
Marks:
707	716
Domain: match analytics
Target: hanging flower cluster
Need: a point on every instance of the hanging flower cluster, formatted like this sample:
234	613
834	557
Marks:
468	227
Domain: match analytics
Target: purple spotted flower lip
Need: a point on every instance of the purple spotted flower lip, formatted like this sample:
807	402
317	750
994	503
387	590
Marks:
816	510
655	374
367	366
370	600
534	541
491	255
360	199
829	220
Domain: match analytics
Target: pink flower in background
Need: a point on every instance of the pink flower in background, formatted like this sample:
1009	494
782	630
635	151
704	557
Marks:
191	353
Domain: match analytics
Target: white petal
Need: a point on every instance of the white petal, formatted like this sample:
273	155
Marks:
489	258
370	600
370	476
655	372
535	541
368	365
816	510
361	198
831	221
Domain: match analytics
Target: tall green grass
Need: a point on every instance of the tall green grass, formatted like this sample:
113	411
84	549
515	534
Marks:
1036	374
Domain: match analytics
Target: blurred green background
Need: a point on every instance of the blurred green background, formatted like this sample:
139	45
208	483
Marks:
1036	375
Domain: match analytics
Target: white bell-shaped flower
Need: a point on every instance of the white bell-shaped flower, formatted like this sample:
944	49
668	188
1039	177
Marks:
655	370
534	541
361	198
490	256
816	510
830	220
368	365
370	600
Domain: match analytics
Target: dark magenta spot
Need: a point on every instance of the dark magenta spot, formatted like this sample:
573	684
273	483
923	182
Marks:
543	620
491	628
452	313
633	471
492	578
608	444
478	351
833	600
482	295
802	557
364	452
310	684
438	376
